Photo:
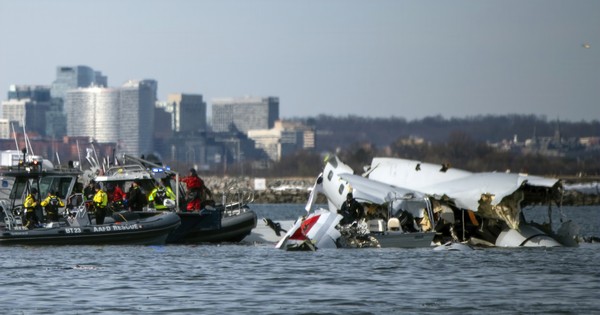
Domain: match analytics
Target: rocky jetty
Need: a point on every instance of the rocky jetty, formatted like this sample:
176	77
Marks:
265	190
297	189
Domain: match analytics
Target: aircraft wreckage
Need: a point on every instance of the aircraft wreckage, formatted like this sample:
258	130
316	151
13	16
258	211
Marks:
407	203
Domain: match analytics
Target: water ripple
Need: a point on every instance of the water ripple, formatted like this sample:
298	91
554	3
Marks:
249	279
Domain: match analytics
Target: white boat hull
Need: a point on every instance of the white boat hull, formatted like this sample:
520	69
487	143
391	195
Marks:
526	236
262	233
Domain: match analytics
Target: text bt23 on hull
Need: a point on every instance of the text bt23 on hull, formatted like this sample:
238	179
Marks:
145	231
26	222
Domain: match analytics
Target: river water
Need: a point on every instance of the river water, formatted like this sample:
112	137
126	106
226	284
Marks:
259	279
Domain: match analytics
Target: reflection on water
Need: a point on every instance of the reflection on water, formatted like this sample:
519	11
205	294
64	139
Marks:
251	279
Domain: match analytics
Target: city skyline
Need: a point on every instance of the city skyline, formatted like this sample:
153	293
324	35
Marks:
407	59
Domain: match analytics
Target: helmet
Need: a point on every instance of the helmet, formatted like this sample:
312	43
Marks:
168	203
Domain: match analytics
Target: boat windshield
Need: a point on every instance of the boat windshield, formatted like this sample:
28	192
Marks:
62	185
18	188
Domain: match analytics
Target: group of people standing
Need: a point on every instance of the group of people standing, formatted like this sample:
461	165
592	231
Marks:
111	198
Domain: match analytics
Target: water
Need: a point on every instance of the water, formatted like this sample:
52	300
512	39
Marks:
258	279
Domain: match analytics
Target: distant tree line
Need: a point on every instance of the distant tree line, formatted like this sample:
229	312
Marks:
333	131
460	142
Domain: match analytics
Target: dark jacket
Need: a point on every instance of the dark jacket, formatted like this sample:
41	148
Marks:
136	199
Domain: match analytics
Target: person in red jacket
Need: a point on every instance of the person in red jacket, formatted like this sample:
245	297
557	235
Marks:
196	189
115	196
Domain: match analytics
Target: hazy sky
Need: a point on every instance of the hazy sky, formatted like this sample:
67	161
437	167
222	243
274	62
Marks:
368	58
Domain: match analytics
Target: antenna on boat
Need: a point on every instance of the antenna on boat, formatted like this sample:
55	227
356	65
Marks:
12	126
27	142
96	156
78	154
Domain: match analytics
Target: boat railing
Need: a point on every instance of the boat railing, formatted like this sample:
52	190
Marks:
126	169
79	216
12	219
77	210
235	199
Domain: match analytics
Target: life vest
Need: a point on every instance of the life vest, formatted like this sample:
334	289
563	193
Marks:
29	203
160	196
53	204
100	199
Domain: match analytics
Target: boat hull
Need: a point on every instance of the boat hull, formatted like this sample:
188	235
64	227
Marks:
404	240
145	231
209	226
525	236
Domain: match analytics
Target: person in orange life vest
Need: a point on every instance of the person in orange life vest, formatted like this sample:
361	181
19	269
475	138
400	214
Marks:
195	190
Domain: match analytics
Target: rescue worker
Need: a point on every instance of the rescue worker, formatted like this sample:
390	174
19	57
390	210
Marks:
100	203
115	197
136	199
30	204
89	191
51	205
196	191
158	195
351	210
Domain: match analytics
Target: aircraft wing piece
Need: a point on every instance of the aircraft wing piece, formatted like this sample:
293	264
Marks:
365	189
411	173
467	191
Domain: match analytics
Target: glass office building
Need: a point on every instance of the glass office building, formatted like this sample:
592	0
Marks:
243	114
189	112
136	115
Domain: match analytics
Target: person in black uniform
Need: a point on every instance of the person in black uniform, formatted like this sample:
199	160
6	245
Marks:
351	210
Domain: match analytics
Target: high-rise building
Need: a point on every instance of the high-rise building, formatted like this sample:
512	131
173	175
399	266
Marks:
36	93
121	115
14	110
243	114
69	78
189	112
96	115
42	117
72	77
136	115
5	129
26	113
